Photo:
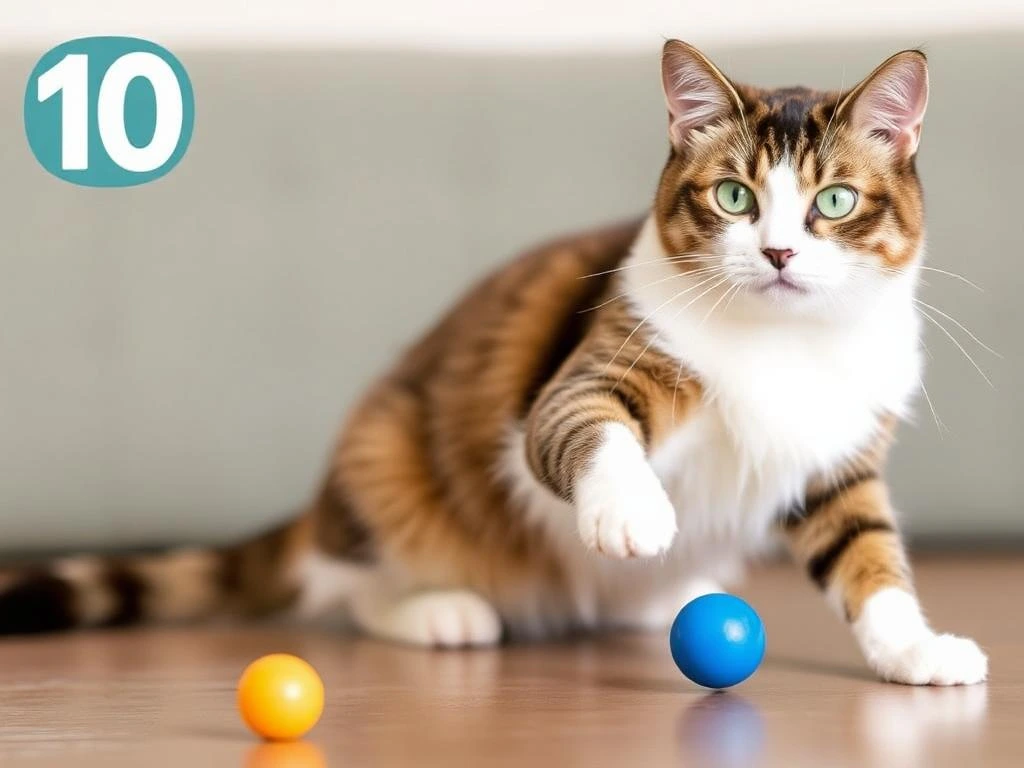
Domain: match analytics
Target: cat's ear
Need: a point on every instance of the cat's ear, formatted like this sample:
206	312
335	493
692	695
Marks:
890	102
696	92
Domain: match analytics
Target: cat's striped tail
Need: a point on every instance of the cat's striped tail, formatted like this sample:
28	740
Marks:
262	576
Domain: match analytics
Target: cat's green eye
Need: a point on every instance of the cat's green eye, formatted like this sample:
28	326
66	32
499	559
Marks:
836	201
735	198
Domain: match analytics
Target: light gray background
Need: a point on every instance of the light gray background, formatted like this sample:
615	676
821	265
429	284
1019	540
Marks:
175	358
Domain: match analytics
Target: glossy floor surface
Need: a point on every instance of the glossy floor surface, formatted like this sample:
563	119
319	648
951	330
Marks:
166	697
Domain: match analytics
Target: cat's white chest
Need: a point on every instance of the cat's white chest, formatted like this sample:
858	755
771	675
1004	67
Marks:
780	404
774	413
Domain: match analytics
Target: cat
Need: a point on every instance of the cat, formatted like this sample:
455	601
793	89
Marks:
612	424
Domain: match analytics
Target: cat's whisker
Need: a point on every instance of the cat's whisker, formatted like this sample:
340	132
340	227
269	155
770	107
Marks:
675	390
742	289
746	131
714	306
674	276
739	287
861	267
647	318
822	156
663	259
959	346
657	335
954	275
873	268
959	325
939	423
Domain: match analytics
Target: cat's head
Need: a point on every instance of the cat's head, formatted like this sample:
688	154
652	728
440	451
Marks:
798	199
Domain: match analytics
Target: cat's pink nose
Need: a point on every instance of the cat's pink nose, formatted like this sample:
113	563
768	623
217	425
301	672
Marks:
779	257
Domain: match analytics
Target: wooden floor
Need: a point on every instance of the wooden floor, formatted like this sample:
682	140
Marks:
166	697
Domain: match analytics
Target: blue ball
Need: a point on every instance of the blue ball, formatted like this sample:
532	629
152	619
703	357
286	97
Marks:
717	640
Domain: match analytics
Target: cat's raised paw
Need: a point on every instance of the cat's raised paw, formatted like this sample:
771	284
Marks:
625	516
934	660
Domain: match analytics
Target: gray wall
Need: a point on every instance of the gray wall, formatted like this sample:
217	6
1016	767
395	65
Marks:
175	358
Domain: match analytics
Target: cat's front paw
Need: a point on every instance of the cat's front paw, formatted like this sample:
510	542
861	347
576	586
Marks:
622	509
637	525
901	648
933	660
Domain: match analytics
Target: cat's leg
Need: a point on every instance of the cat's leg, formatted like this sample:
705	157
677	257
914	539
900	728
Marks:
452	618
847	539
586	441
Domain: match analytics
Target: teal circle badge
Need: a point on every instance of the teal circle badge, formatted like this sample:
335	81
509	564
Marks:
109	111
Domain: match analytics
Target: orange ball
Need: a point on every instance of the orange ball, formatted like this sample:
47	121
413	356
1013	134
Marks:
280	697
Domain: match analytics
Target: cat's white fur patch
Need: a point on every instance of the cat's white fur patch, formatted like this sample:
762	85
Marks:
783	209
621	508
440	619
326	582
899	646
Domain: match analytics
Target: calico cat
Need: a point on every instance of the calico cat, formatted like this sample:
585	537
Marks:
609	425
